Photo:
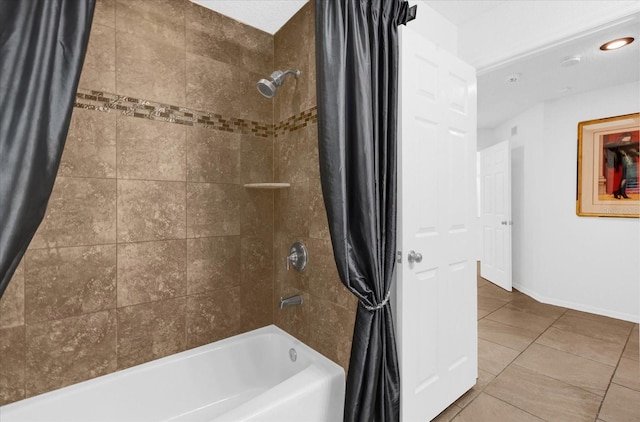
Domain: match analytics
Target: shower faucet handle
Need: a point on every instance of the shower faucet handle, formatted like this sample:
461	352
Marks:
297	257
291	259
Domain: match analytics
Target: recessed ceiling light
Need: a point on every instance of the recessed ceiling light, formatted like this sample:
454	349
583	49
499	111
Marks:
615	44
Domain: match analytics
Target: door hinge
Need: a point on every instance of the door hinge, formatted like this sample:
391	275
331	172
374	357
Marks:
399	257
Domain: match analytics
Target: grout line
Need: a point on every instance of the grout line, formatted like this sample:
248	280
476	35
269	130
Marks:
23	368
126	242
523	312
64	176
513	362
117	123
186	219
613	374
585	335
511	404
514	359
575	354
274	294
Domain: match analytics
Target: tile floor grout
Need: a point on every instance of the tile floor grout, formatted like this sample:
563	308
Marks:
585	388
613	375
512	362
506	402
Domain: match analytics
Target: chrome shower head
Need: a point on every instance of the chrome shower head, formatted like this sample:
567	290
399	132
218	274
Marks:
268	87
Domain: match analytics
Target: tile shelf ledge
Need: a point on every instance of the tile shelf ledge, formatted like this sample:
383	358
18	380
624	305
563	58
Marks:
267	185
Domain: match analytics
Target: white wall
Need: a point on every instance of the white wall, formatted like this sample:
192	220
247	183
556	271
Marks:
585	263
591	263
435	27
486	138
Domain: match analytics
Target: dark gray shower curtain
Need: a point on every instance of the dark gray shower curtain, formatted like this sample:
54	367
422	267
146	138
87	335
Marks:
357	87
42	48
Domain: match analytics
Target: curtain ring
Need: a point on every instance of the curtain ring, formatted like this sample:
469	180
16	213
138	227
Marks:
378	306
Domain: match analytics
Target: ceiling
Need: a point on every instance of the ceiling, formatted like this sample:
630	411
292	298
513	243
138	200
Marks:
541	77
459	12
267	15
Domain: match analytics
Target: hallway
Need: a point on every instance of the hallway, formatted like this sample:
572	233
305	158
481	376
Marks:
541	362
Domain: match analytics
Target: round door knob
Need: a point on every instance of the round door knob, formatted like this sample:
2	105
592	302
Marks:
414	257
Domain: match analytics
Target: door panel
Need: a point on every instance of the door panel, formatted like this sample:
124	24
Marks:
495	188
436	297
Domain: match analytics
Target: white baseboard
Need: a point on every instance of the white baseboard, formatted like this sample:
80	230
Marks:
577	306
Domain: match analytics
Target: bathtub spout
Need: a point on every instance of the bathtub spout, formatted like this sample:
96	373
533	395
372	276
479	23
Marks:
290	301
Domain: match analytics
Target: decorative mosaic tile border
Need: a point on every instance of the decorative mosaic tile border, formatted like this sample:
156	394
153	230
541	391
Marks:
296	122
128	106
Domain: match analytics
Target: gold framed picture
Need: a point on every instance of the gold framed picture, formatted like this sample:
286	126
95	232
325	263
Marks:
608	161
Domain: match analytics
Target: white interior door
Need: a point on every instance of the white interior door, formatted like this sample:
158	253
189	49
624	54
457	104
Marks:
436	296
495	218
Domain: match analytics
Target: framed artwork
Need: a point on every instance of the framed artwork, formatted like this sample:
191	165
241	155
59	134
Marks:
608	162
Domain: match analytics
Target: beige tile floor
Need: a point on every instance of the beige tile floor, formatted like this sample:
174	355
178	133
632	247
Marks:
541	362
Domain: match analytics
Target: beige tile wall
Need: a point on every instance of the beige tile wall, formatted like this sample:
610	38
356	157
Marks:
325	320
150	244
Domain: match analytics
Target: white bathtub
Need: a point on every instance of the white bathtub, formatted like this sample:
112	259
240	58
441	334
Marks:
249	377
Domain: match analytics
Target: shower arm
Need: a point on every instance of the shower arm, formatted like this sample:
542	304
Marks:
278	77
295	73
